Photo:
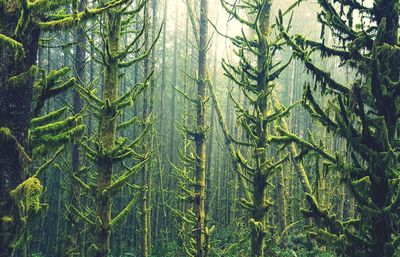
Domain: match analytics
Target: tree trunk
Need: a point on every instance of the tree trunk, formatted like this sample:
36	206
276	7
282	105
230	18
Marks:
200	137
73	229
258	223
15	116
107	128
145	208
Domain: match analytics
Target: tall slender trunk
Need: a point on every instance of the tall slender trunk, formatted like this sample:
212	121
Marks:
200	138
73	229
163	71
212	131
145	208
281	200
107	128
260	177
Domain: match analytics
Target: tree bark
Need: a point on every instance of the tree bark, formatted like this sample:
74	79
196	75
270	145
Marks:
107	128
200	137
73	229
15	116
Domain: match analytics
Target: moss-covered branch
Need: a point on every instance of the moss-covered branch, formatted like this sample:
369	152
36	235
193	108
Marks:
16	46
71	20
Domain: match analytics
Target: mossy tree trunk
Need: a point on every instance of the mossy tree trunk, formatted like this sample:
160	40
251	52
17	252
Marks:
20	26
260	199
107	133
71	248
371	133
256	79
200	137
15	116
145	194
384	67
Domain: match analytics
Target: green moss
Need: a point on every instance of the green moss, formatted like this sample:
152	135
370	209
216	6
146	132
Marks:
16	46
24	78
40	121
71	20
6	219
5	135
55	127
27	197
7	139
49	141
49	86
51	79
41	6
256	226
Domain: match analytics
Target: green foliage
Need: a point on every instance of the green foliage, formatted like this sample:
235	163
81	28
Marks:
70	20
23	79
13	44
50	85
364	113
167	249
231	241
46	119
297	243
49	132
37	255
27	197
287	252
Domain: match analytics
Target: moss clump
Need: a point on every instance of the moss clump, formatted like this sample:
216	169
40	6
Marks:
5	135
27	197
6	219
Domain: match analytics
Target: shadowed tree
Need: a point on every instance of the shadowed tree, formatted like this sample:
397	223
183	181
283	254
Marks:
364	113
21	23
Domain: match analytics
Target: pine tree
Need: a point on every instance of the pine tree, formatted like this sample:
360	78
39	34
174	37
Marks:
107	149
364	113
256	80
21	98
71	247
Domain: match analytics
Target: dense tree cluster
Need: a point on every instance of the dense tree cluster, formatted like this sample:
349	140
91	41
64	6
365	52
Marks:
127	129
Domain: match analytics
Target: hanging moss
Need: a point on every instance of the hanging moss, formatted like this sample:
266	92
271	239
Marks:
7	139
41	121
22	79
27	197
71	20
55	127
49	141
13	44
41	6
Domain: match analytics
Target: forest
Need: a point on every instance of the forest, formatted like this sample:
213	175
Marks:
209	128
